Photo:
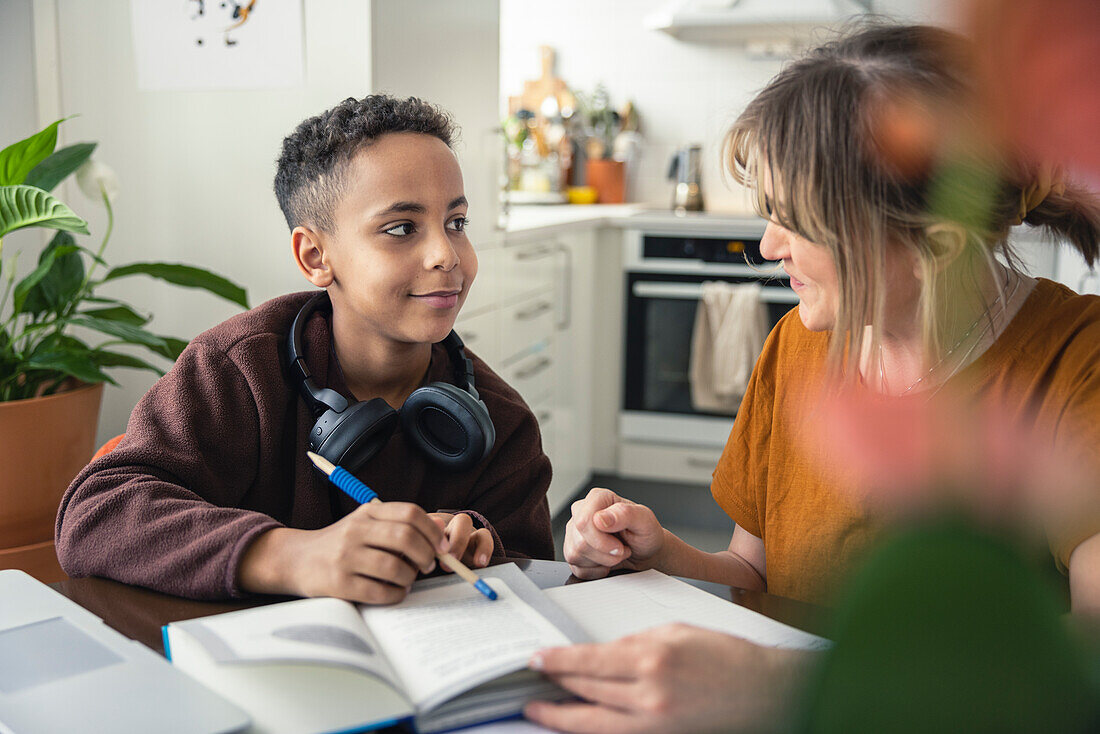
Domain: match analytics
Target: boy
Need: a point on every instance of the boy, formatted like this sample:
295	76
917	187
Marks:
211	494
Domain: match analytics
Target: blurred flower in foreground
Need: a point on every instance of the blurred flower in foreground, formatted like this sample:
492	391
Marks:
913	456
1039	68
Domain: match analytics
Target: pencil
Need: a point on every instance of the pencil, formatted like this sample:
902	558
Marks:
363	494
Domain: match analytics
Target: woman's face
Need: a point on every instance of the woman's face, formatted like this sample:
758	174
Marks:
813	275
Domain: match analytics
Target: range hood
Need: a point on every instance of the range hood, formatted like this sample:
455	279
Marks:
777	23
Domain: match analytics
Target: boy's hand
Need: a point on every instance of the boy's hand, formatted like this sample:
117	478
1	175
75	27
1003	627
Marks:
371	556
472	547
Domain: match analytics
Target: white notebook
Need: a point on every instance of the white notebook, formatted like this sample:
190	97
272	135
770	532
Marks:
443	658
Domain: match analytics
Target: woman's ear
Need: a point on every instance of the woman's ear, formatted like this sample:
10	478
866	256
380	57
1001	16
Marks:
308	249
946	242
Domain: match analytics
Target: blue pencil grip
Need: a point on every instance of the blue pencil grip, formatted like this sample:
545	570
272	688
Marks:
355	489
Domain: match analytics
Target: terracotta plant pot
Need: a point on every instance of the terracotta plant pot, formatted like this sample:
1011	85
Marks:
608	177
44	443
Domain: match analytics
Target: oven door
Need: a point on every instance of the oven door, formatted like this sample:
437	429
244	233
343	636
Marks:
660	317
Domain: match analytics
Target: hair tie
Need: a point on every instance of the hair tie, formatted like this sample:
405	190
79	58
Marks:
1048	179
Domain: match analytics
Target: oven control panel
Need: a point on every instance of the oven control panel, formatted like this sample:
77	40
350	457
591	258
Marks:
724	250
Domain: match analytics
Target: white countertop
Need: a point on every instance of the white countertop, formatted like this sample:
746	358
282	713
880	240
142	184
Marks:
532	218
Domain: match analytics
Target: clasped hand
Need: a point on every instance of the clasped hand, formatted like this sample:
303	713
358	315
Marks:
607	531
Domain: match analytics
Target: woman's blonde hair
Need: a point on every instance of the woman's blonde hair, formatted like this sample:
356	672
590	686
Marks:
807	144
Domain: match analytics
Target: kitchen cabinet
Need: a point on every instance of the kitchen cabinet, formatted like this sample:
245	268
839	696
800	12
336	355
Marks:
521	319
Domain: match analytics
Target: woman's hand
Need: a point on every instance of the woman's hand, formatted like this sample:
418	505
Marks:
675	678
372	555
472	547
607	531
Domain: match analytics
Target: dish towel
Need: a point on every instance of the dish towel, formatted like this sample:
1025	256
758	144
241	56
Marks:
730	329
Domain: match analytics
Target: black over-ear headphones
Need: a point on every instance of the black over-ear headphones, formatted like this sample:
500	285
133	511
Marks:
450	425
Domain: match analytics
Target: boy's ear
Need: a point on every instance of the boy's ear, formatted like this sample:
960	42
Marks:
308	249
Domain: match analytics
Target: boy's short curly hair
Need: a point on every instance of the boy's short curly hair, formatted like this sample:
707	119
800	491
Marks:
310	177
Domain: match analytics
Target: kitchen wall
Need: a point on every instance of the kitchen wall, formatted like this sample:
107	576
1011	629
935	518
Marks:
684	92
18	102
196	167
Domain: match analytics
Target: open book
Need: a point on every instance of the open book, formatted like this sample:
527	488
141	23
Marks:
445	657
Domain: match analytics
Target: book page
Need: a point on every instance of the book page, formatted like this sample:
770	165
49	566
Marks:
319	630
445	640
623	605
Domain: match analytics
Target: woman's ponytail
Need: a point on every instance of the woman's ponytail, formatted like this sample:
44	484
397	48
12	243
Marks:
1073	215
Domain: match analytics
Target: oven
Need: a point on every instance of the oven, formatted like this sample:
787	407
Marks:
663	275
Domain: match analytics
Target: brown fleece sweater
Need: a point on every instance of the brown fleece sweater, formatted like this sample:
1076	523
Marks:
214	455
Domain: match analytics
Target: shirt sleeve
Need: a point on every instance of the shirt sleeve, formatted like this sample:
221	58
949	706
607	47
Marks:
162	509
1076	515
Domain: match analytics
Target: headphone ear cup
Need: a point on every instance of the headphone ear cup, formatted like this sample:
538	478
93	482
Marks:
351	438
448	425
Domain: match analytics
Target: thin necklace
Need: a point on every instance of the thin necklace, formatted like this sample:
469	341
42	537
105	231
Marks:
1001	305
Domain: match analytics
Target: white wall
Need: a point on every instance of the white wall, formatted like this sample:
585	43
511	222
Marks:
18	111
684	92
18	106
447	52
196	167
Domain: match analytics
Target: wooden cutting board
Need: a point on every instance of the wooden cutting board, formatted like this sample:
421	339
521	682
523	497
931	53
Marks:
537	90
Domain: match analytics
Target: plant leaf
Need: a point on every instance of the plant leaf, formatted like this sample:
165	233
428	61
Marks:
52	171
121	312
126	332
28	206
23	287
116	359
172	349
79	365
19	159
187	276
61	283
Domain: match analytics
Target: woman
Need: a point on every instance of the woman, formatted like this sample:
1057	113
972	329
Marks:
893	253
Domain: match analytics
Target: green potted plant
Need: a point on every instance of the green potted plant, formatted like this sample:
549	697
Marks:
59	339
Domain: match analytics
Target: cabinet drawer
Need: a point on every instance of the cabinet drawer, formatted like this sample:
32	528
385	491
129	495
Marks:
481	333
485	292
527	269
532	376
526	324
676	463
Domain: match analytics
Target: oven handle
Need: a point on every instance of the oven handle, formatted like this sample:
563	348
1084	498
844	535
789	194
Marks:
694	291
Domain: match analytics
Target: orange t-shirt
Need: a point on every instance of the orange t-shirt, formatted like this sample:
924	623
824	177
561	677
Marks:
775	485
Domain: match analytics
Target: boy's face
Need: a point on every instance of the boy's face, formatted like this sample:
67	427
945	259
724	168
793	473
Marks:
400	262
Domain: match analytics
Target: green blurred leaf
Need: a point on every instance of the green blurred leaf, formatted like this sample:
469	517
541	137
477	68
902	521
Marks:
125	332
187	276
19	159
172	348
964	191
27	206
24	287
61	283
121	312
946	628
52	171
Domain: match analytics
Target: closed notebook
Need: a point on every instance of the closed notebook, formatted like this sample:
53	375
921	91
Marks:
444	657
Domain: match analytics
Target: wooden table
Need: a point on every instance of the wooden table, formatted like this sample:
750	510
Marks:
140	613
